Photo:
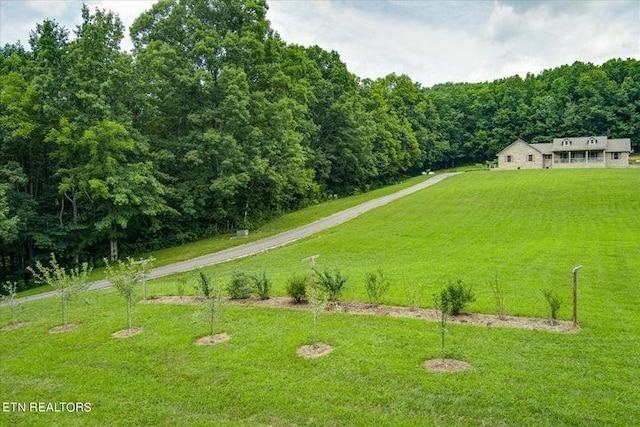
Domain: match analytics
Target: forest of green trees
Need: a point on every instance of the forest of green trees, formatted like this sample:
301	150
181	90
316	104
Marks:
213	122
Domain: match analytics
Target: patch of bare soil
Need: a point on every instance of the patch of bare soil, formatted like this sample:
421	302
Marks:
314	351
126	333
63	328
446	365
13	326
213	339
392	311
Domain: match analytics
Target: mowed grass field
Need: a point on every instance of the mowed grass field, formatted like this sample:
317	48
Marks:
529	227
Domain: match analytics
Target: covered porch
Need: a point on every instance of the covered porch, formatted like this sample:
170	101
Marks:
579	158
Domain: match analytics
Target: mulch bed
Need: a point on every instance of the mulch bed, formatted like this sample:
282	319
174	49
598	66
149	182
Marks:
477	319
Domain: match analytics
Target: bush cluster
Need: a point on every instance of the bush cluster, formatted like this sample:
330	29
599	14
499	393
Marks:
297	288
243	284
332	283
456	296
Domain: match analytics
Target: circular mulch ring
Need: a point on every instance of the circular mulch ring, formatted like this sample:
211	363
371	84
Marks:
13	326
126	333
314	351
213	339
446	365
63	328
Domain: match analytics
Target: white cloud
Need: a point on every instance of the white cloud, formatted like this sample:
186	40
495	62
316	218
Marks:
431	41
436	42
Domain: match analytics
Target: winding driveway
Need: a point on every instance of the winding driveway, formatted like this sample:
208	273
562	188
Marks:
274	241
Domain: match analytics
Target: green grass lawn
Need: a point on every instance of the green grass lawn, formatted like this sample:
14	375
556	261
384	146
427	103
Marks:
531	227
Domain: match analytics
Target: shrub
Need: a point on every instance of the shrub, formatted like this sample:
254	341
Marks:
262	285
414	294
240	285
458	295
332	283
376	285
554	302
498	295
297	288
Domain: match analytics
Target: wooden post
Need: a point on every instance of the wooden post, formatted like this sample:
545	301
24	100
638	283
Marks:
575	295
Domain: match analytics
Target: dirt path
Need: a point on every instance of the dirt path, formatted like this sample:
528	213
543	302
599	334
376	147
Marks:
271	242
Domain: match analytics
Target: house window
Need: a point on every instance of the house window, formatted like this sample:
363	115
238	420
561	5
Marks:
566	143
509	158
530	157
615	156
592	141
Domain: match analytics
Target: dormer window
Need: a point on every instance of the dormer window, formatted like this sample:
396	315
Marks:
592	141
566	142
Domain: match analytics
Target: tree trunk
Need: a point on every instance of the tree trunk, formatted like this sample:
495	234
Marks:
113	242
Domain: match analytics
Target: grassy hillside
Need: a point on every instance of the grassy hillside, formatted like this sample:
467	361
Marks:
530	226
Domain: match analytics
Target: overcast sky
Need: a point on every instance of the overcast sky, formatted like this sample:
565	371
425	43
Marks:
431	41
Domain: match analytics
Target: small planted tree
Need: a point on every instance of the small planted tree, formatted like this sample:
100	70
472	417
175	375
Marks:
212	300
144	269
318	300
10	289
124	277
332	283
240	285
297	288
261	285
376	284
554	303
66	283
443	305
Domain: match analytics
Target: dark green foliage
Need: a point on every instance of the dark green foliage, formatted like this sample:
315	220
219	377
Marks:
332	283
262	285
554	303
240	285
297	288
458	295
376	284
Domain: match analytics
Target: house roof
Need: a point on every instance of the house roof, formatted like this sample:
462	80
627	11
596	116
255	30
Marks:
595	143
517	141
619	145
543	147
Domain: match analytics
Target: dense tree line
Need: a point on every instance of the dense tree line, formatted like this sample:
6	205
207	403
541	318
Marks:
213	122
